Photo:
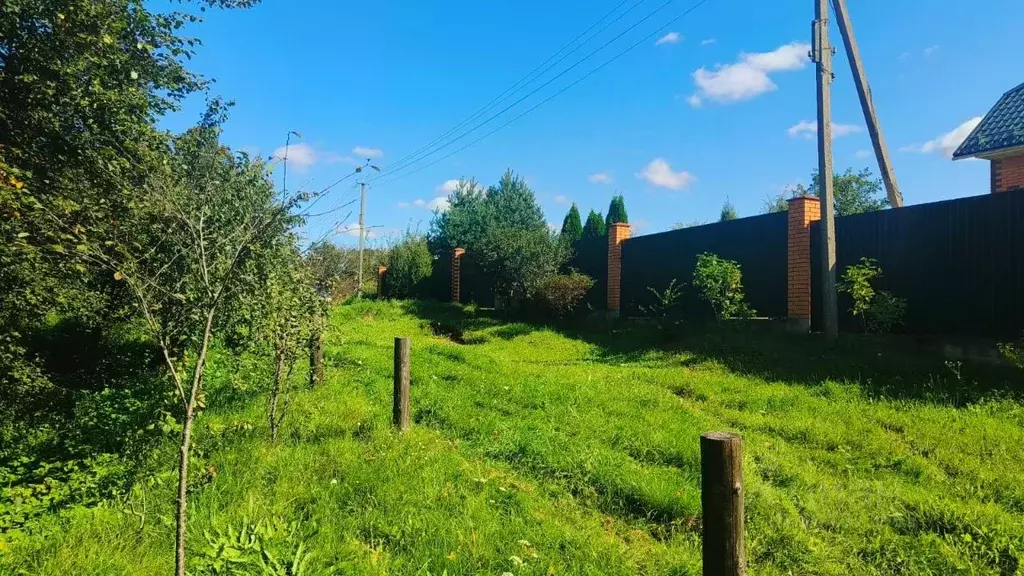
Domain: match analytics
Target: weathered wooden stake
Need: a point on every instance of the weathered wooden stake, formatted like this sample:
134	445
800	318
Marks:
400	415
316	359
721	473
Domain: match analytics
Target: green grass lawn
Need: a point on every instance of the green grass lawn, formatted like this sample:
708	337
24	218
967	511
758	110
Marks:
535	451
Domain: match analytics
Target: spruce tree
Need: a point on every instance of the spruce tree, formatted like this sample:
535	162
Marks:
572	226
617	211
594	228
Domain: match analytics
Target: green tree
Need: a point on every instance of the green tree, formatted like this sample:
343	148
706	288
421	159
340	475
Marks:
520	261
728	212
616	211
775	204
720	283
572	226
409	263
855	192
594	228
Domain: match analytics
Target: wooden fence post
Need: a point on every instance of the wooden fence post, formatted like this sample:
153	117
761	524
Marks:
400	414
721	474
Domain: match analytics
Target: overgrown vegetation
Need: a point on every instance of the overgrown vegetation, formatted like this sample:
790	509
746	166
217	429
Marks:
409	264
561	295
879	310
720	283
855	193
665	308
541	452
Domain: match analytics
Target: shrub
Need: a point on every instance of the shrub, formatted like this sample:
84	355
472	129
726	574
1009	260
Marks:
409	263
562	294
1014	352
665	307
879	310
720	283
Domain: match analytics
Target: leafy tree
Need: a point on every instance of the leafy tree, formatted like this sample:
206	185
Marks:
465	223
616	211
774	204
594	228
855	193
728	212
409	263
521	260
572	226
213	214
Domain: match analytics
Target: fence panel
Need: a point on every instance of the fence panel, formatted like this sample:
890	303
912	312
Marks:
757	243
590	257
959	263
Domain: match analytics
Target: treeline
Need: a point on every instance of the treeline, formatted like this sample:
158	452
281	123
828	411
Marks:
130	253
503	230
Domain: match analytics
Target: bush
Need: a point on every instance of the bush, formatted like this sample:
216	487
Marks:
665	307
879	310
720	283
409	264
562	294
1014	352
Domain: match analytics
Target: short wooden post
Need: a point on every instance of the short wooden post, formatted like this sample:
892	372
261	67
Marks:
400	415
721	473
316	359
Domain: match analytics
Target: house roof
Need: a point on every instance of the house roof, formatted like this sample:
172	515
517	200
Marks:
1002	128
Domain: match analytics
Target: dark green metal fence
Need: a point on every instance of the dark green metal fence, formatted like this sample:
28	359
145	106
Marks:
958	263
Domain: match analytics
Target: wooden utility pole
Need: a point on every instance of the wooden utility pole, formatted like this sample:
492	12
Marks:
721	498
821	54
860	79
400	410
362	232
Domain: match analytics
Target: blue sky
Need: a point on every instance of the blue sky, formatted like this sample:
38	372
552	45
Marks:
388	77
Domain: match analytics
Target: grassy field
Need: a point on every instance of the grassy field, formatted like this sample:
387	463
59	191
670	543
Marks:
535	451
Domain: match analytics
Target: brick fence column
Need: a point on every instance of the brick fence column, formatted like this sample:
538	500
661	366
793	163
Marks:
457	273
802	211
617	234
381	271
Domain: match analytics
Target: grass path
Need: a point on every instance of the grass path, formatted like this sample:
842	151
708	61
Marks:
535	453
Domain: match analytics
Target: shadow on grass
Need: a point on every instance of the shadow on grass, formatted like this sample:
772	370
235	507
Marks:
895	367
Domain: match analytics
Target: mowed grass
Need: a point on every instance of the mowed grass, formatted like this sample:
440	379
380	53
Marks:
537	452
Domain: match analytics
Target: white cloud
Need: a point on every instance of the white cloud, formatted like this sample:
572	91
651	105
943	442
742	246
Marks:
864	153
366	152
561	200
299	156
448	187
930	50
904	56
707	42
353	230
670	38
404	204
947	143
749	76
659	173
419	203
600	178
439	204
694	100
809	130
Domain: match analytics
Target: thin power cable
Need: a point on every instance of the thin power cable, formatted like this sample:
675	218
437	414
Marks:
540	70
553	96
556	77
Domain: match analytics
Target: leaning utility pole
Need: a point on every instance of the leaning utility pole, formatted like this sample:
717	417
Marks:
821	54
362	232
867	105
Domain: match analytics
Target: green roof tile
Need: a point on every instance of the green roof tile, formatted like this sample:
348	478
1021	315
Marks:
1002	127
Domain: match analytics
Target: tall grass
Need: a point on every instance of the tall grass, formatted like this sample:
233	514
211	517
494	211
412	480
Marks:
538	452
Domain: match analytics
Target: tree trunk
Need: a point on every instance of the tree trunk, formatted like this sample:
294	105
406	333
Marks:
275	392
316	358
186	444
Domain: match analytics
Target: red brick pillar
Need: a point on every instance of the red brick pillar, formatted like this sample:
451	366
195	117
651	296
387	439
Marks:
617	234
381	270
457	273
803	210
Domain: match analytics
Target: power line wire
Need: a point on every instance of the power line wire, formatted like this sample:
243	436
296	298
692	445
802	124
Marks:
551	97
537	72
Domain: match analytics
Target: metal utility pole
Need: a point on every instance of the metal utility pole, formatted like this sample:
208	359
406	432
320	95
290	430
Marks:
821	54
867	105
362	231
